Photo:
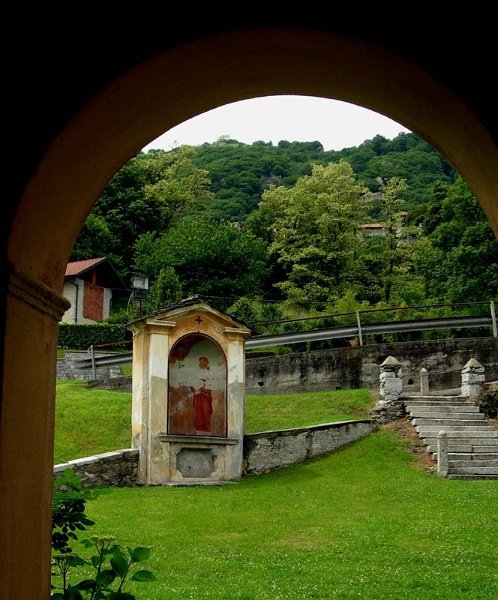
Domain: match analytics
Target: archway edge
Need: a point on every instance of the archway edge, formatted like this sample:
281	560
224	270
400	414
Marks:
192	78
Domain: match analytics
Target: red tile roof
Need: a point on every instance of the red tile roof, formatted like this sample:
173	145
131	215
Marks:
80	266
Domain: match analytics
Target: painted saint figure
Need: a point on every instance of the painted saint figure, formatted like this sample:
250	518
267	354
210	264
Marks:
197	387
203	406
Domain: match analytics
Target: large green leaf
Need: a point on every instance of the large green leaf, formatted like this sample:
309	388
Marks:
106	577
119	564
143	576
140	554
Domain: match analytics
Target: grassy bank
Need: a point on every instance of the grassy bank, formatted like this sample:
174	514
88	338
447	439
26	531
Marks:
91	421
364	522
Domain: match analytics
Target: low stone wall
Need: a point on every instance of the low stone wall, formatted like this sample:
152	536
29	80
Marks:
263	452
66	367
117	468
270	450
350	368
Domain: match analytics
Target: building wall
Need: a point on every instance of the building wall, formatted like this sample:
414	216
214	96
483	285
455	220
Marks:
69	292
93	302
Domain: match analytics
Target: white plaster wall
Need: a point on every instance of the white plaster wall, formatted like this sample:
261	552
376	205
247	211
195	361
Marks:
69	292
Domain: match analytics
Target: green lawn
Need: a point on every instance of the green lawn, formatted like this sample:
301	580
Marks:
364	522
264	413
90	421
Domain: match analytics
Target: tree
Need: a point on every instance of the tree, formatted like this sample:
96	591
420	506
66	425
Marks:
146	195
315	232
459	259
213	259
394	249
165	290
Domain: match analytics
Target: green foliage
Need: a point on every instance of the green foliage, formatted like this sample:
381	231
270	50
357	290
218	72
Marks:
147	195
389	257
80	336
488	402
244	310
68	510
459	258
315	233
240	172
212	259
165	290
110	565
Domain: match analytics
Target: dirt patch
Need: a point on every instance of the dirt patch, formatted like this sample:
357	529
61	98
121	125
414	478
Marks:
403	429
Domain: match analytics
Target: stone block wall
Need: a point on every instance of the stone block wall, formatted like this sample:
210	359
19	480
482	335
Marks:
267	451
66	367
350	368
117	468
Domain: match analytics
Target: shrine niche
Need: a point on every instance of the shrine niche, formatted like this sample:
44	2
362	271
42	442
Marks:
197	387
188	394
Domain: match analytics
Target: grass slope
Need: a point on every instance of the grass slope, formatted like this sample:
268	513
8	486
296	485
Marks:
91	421
363	522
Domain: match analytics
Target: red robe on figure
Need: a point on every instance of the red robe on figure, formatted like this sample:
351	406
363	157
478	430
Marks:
203	405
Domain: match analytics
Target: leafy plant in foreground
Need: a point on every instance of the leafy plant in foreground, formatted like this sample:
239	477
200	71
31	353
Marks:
110	564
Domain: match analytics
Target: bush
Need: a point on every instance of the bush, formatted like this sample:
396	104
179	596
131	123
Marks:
80	336
488	402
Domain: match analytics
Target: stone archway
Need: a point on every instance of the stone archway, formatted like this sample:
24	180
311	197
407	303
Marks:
120	119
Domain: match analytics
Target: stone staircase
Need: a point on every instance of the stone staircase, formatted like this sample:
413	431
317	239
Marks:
472	442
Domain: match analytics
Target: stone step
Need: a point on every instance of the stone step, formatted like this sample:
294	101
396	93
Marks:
454	431
475	476
486	447
450	410
456	446
437	403
475	471
442	422
433	398
462	463
472	456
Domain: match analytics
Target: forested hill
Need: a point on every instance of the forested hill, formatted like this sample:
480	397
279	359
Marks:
240	172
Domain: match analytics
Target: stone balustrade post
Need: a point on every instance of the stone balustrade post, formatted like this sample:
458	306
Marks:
442	454
391	387
424	382
472	379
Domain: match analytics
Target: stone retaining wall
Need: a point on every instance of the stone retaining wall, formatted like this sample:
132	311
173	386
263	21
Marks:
263	452
117	468
270	450
352	368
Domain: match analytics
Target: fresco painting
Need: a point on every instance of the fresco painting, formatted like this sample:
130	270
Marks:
197	387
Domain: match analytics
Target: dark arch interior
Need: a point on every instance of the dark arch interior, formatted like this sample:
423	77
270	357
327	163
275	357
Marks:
77	124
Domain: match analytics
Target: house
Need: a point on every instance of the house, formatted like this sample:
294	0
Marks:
373	229
89	286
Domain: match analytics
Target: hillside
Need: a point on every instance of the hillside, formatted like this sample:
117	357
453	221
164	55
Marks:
240	172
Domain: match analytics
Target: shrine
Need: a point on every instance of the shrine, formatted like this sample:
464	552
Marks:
188	394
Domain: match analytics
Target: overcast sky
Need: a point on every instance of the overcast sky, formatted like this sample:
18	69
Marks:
335	124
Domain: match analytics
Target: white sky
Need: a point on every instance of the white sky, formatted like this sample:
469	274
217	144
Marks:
335	124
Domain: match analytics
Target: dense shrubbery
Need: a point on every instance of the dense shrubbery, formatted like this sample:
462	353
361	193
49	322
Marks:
81	336
488	402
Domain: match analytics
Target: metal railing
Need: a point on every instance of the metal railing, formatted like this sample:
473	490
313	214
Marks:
358	329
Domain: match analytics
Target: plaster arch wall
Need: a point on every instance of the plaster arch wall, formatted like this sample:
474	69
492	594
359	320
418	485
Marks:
113	126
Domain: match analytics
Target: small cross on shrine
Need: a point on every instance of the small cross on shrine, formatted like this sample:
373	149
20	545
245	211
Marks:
198	320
